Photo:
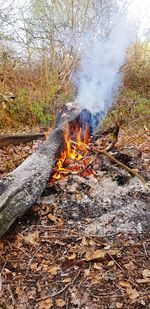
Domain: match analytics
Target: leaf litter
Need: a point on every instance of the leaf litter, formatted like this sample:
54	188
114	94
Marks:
52	260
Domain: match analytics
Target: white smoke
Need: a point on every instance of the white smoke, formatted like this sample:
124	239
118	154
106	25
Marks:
98	77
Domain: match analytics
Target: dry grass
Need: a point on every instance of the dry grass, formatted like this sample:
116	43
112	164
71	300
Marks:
137	69
42	88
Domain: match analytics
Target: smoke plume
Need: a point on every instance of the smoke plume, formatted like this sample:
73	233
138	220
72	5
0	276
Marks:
98	77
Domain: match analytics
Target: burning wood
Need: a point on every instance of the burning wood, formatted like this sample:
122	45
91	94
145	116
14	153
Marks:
72	153
67	146
21	188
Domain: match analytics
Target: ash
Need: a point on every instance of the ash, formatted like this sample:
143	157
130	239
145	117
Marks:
107	202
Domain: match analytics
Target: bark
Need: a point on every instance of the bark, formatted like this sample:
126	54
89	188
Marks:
21	188
17	139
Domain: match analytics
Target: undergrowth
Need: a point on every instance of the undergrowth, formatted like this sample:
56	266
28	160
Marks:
39	92
132	108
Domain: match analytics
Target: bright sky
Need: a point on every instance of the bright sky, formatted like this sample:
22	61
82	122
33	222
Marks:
140	9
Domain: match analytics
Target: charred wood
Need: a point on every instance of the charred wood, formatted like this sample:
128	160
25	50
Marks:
21	188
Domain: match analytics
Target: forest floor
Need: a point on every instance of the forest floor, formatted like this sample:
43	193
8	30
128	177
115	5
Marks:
63	254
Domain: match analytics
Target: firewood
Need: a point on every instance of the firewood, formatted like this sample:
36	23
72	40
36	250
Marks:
21	188
17	139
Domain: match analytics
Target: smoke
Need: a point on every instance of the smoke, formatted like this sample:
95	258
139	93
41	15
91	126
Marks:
98	77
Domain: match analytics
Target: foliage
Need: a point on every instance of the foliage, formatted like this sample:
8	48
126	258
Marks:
132	107
137	69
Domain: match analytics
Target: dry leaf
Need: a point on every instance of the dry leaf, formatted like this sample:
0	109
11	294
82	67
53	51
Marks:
72	256
53	270
86	272
18	290
95	279
98	266
45	304
98	254
34	266
84	241
60	302
89	256
92	242
111	263
66	280
146	273
132	293
32	238
1	246
130	266
145	280
125	284
52	218
118	305
55	219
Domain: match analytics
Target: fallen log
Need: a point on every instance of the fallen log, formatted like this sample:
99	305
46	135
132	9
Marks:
21	188
17	139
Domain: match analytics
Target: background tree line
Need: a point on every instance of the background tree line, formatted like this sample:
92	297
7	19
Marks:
40	46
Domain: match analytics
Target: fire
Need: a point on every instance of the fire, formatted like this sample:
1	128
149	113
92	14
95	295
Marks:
74	152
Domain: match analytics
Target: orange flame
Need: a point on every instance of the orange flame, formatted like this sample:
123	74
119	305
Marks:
71	152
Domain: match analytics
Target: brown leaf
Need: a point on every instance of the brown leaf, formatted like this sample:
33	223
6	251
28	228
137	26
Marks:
18	290
87	272
95	279
130	266
52	218
92	242
32	238
60	302
84	241
55	219
118	305
125	284
98	266
132	293
146	273
111	263
34	266
145	280
53	270
66	280
100	254
46	304
72	256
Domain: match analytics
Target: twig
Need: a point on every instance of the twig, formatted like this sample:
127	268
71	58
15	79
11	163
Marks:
119	122
66	300
75	278
3	266
114	260
19	248
62	290
39	247
53	295
145	250
9	289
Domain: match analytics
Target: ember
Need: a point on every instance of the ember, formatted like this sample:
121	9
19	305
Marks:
74	152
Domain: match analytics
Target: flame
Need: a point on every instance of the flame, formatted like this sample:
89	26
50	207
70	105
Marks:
71	153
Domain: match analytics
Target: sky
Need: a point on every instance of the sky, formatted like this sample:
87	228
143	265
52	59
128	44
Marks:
140	10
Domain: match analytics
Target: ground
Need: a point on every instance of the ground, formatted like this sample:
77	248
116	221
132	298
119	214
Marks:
86	243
